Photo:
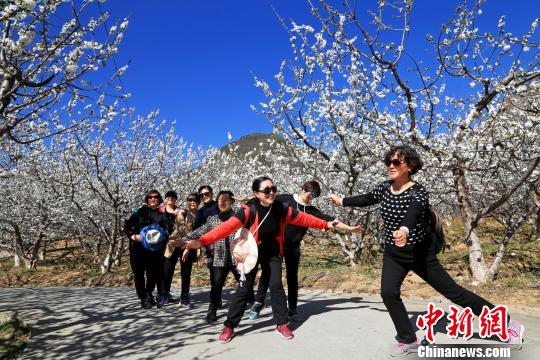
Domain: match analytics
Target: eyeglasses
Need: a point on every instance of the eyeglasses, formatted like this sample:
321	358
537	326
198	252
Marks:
269	190
205	194
192	200
153	196
314	194
395	162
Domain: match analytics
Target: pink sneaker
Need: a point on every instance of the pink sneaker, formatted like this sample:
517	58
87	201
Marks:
403	349
515	333
226	335
284	331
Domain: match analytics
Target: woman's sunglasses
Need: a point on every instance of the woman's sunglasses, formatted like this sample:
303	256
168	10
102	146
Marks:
192	200
314	194
269	190
153	196
395	162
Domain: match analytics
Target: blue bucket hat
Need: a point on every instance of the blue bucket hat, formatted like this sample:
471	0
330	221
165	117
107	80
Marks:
154	237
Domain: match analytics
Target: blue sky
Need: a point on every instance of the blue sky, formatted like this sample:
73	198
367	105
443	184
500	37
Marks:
194	59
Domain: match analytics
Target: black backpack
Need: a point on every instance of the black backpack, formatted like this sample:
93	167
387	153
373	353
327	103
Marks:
433	223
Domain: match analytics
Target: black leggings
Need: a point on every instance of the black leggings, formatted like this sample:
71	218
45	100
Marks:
272	267
292	263
432	272
218	275
144	261
169	265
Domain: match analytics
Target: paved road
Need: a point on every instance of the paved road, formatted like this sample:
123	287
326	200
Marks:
104	323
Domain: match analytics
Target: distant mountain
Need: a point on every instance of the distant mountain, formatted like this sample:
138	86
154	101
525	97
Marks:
265	145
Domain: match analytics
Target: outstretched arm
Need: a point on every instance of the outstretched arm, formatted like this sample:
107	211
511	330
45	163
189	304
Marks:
306	220
358	200
223	230
342	226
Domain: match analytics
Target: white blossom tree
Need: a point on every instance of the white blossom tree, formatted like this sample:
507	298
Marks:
46	66
353	88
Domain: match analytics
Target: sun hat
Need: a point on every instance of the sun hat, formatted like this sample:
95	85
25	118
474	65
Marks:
245	247
154	237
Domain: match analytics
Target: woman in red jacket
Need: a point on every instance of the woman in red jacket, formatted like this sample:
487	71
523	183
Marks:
266	218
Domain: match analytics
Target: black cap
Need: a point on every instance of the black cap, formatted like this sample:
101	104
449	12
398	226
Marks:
171	194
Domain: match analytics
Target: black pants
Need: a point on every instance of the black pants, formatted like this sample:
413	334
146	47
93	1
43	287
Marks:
169	264
272	266
292	263
432	272
144	261
218	275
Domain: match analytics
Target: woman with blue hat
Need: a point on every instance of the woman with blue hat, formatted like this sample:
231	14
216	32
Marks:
148	231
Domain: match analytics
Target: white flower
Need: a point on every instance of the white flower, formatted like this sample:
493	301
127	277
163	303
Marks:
71	68
28	5
472	84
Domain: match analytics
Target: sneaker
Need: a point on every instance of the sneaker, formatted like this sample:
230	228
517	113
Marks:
226	335
145	304
186	303
161	301
211	316
284	331
515	334
293	316
151	299
255	310
172	300
404	349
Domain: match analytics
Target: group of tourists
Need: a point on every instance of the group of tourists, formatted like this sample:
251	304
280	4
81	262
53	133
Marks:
278	223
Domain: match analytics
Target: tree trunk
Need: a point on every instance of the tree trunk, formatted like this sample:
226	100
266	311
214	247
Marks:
42	251
477	263
537	224
16	260
113	239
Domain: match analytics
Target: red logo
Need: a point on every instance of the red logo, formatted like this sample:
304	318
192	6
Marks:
429	320
494	322
460	322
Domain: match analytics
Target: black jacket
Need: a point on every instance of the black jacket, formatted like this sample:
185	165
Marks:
145	216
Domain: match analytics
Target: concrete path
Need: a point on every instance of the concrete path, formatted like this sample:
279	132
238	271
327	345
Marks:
105	323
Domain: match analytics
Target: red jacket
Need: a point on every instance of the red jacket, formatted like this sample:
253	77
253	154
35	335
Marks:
233	224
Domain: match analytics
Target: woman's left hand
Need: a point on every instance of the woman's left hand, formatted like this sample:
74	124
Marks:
192	244
341	226
176	243
400	237
185	255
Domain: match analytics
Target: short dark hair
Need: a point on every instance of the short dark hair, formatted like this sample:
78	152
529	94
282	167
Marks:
225	192
196	196
205	187
152	192
407	154
258	181
171	194
312	186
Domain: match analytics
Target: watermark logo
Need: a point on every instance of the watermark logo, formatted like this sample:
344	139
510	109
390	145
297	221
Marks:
491	322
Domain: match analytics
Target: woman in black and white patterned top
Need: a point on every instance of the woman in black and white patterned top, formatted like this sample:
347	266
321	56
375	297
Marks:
403	208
